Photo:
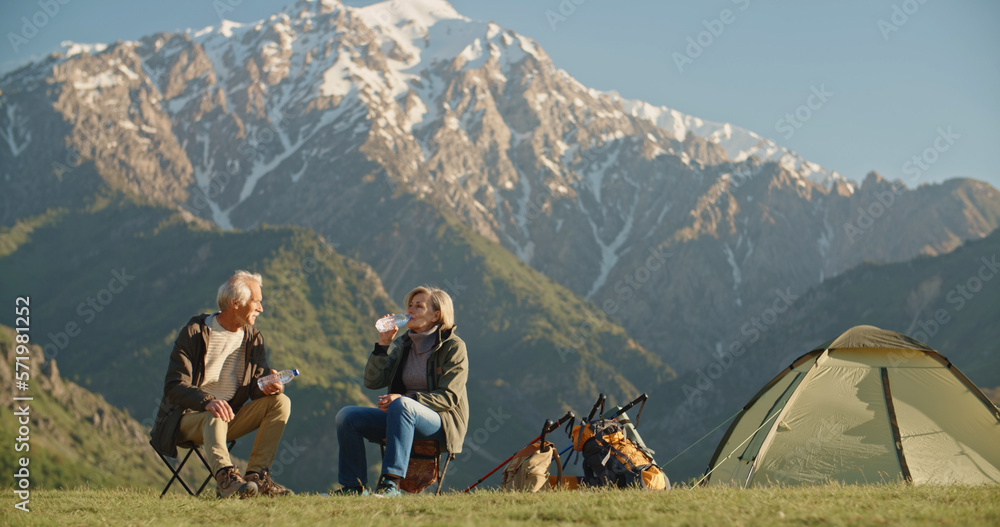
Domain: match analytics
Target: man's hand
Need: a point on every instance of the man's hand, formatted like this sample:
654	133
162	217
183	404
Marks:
275	387
221	409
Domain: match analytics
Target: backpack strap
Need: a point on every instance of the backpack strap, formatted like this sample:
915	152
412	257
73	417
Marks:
628	462
559	472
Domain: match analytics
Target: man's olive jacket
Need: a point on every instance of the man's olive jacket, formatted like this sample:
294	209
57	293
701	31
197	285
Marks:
447	373
186	372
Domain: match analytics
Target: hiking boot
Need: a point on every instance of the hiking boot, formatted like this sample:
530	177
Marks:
387	488
266	486
351	491
229	481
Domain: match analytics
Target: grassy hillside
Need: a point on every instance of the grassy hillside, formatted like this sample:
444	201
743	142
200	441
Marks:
821	505
112	282
75	438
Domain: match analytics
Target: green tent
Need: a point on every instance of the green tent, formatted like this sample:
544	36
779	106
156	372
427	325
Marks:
870	406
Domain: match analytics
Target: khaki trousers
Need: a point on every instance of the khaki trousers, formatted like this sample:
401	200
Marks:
268	415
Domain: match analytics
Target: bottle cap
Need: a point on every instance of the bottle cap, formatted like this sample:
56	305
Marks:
295	373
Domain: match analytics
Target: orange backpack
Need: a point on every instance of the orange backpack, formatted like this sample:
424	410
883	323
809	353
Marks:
612	459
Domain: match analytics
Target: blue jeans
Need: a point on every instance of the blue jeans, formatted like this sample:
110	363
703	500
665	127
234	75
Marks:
404	421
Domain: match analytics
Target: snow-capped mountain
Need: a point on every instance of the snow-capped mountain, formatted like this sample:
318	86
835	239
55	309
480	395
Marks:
739	143
327	116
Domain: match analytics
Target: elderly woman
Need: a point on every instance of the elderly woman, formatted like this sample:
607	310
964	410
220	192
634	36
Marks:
425	371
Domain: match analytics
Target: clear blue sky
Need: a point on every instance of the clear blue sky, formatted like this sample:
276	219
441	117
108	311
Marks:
931	66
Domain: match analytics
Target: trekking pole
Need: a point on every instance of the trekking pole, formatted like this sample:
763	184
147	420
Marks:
549	427
567	457
641	399
568	417
545	430
598	404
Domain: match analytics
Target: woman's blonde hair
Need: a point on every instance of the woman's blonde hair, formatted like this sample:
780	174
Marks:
439	301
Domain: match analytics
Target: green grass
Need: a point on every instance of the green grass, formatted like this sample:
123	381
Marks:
820	505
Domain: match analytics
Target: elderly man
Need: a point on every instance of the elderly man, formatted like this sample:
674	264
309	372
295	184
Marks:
211	394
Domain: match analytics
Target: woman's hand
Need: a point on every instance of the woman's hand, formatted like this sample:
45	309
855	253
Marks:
385	337
385	400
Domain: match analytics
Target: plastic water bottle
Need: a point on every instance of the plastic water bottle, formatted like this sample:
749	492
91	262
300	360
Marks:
284	376
387	322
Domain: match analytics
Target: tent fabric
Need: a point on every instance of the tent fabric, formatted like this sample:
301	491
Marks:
870	406
872	337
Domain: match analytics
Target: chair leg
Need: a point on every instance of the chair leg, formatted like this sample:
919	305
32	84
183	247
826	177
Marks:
176	474
210	475
444	470
443	467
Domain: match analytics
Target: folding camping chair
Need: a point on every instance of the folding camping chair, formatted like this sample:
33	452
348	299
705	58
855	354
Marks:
425	466
176	467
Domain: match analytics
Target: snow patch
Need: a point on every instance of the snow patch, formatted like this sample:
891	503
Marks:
128	72
595	178
13	129
227	26
76	48
731	258
337	78
105	79
609	251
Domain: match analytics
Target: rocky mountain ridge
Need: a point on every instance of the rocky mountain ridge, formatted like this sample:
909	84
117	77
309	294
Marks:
323	113
73	436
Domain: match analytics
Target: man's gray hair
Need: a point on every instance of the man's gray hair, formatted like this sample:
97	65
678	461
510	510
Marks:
237	288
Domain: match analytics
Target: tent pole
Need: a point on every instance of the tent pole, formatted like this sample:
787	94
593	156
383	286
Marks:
896	435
